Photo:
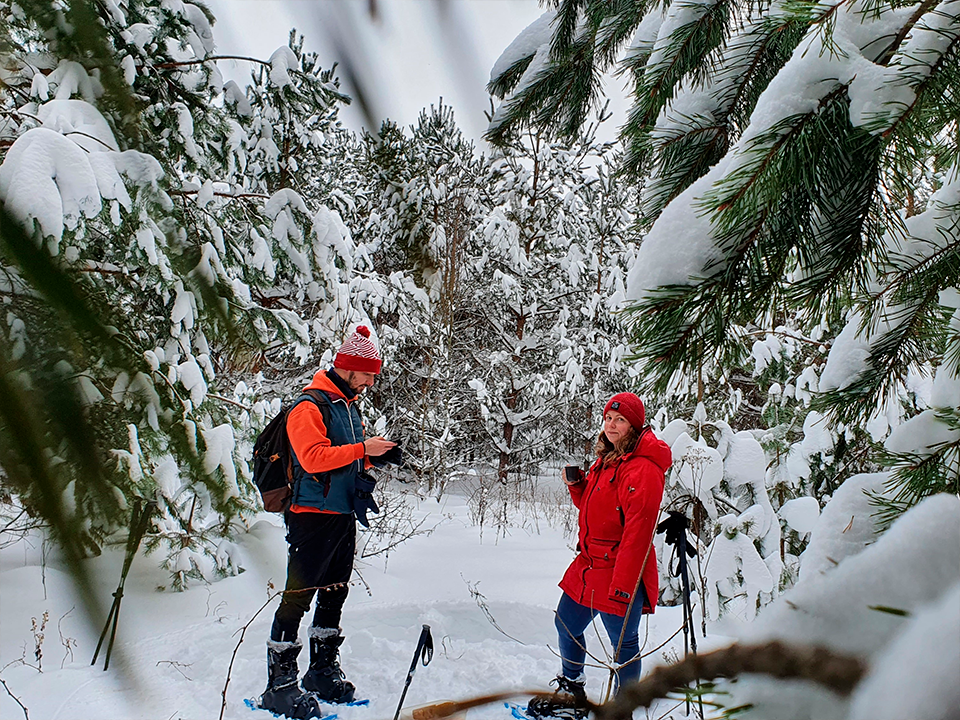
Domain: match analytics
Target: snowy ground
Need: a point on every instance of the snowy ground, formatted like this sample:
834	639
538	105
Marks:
177	646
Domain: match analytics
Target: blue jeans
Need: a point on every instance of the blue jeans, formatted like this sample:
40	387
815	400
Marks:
572	619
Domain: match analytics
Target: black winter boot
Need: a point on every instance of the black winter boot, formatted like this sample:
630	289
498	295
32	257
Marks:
569	702
325	678
282	695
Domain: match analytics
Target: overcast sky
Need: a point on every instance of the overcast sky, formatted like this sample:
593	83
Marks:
408	52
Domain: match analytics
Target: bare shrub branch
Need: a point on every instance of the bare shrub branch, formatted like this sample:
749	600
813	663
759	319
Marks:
176	666
840	673
23	707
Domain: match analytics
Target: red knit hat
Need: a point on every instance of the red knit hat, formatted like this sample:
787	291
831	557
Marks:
359	353
630	406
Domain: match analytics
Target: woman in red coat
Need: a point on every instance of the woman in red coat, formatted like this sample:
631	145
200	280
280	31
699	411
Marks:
614	574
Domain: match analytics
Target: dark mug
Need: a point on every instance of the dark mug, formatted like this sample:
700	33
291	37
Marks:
572	474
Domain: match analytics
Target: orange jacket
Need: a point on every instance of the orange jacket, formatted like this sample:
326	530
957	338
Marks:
310	442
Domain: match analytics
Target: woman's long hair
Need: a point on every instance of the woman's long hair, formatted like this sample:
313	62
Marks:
608	452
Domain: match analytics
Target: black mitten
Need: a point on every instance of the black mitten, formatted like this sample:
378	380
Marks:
363	498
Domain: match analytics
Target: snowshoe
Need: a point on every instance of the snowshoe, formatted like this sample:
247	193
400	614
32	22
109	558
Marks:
255	705
569	702
352	703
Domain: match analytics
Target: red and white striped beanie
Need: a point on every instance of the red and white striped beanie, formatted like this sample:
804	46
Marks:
359	353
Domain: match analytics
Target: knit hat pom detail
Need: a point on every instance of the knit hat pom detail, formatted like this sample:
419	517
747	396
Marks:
358	353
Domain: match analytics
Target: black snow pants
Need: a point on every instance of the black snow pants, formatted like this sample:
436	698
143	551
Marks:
320	555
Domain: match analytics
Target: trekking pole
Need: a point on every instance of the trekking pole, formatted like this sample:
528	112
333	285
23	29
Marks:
423	652
682	551
138	527
675	527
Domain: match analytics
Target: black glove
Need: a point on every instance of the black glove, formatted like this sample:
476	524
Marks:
363	498
675	527
392	456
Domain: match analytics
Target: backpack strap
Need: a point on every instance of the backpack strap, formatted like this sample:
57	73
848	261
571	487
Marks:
318	398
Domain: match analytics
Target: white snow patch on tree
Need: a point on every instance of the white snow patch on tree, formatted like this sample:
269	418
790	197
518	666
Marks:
167	476
82	121
534	36
745	462
673	430
801	513
845	527
281	62
89	394
922	434
917	675
735	572
698	467
220	444
71	78
646	33
234	95
191	377
913	564
848	356
680	243
945	392
48	177
817	437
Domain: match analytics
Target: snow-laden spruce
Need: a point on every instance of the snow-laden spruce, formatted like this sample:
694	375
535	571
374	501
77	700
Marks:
196	254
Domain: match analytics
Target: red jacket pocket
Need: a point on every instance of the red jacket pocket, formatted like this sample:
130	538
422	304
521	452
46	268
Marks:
602	553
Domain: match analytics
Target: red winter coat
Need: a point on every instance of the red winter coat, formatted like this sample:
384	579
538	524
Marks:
618	506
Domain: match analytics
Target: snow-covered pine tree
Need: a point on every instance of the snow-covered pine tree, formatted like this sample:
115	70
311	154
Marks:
70	175
750	515
545	284
782	149
139	199
443	228
286	168
421	201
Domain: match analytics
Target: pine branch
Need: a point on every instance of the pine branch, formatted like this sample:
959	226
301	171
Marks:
560	97
209	58
909	343
929	91
679	155
568	18
506	81
617	20
82	37
915	476
922	9
684	56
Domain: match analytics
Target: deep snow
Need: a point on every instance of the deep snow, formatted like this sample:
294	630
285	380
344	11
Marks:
177	646
890	599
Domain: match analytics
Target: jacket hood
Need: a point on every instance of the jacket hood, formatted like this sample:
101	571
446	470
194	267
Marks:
654	449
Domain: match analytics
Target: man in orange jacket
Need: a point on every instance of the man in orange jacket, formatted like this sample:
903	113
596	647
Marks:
330	492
